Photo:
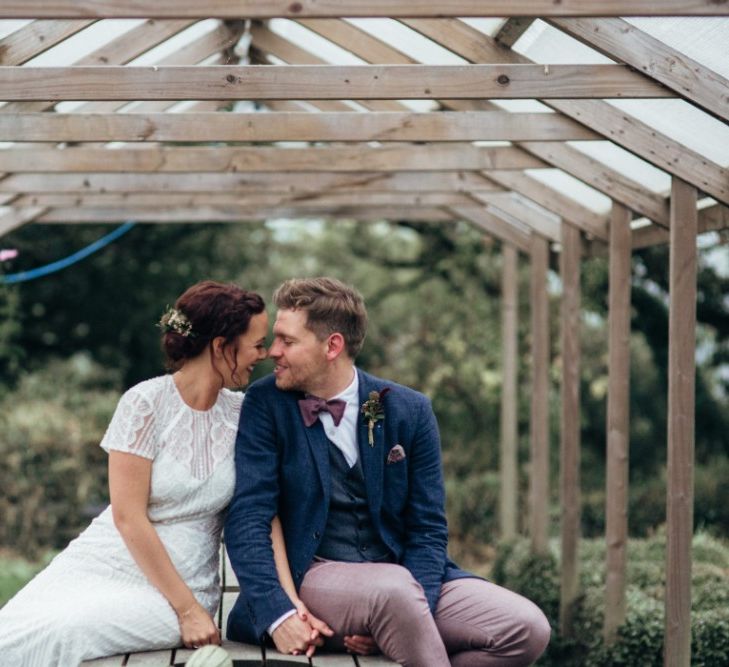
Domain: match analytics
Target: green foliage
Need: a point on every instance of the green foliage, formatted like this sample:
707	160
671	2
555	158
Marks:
11	352
16	572
472	507
640	637
54	472
647	501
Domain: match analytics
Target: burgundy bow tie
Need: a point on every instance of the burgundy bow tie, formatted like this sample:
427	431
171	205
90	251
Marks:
311	406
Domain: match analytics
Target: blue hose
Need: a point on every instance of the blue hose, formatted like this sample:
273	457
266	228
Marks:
24	276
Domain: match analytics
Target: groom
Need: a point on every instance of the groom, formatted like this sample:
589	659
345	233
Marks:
351	464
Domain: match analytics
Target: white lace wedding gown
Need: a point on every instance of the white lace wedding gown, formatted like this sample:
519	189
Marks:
92	599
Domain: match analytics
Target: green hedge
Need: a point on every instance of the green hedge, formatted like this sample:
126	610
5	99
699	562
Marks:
54	476
640	637
647	502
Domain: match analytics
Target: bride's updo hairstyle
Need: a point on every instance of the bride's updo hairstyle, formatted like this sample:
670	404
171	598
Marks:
203	312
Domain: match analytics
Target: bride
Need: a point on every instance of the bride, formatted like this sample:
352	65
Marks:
144	574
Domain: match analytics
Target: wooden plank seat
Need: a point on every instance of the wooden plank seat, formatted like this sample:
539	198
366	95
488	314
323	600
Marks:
238	652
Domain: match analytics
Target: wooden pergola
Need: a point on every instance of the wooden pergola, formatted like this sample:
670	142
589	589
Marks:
273	128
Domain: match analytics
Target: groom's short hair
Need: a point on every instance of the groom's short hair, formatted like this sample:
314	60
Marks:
331	307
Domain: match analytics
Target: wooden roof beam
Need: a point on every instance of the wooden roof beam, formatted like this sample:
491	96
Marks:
247	183
711	218
291	126
389	158
512	30
552	200
468	42
494	225
306	201
118	51
622	41
353	8
609	121
268	42
12	218
75	215
35	38
334	82
541	221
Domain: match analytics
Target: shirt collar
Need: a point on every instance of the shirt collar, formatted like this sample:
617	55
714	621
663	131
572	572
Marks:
351	393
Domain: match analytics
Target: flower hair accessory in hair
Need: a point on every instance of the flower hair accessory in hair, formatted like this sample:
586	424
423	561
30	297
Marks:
176	321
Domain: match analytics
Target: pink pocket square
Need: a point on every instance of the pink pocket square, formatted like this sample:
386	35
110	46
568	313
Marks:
397	453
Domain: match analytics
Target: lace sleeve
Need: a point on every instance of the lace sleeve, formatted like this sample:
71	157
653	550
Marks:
132	428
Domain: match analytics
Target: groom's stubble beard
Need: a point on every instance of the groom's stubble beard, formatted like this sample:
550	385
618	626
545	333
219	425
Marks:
304	378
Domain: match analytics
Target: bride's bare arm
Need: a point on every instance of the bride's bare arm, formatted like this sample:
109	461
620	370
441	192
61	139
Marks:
282	562
287	582
129	481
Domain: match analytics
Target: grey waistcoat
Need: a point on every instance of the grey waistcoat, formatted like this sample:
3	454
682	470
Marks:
349	534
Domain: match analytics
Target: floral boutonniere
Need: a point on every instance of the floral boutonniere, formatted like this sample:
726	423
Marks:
374	411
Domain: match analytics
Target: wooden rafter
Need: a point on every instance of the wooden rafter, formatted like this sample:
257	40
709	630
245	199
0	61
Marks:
13	218
396	157
548	198
353	8
612	123
625	42
247	183
513	205
118	51
35	38
291	126
305	201
494	225
336	82
76	215
450	31
512	30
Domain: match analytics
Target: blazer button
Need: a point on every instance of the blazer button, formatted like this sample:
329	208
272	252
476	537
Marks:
298	573
317	534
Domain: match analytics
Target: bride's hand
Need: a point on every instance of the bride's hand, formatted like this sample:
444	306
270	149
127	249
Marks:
197	628
319	627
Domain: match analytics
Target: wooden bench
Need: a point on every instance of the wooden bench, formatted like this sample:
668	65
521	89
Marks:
236	650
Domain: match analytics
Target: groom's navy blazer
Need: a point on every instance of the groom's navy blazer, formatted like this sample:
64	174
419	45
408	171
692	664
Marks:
282	467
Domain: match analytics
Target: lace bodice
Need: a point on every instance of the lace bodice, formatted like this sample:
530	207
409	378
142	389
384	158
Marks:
151	419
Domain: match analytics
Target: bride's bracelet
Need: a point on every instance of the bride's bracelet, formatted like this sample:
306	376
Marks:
186	613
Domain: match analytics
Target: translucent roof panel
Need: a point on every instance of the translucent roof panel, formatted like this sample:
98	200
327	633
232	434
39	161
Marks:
627	164
489	26
313	43
573	188
544	44
684	123
706	40
84	42
8	26
407	41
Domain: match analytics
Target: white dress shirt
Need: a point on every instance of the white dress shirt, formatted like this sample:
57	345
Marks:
344	436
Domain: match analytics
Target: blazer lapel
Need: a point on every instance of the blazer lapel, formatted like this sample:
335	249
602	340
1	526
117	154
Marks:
319	447
371	456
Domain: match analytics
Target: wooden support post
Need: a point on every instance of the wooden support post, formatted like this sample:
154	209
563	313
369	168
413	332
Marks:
539	422
570	424
508	457
618	405
681	371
